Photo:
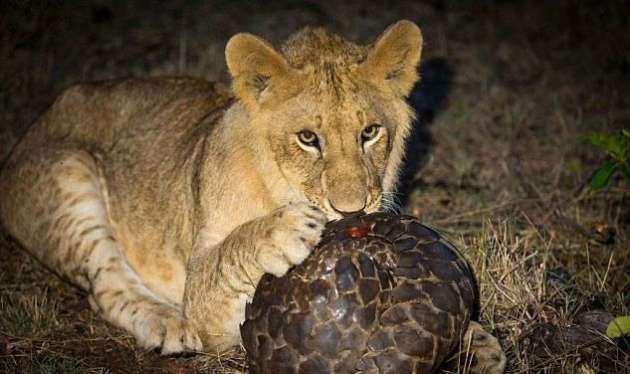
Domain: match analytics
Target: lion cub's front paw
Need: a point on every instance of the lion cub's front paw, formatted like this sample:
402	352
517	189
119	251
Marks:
289	237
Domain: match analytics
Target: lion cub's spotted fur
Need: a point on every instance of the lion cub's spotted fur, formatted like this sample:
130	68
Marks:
167	200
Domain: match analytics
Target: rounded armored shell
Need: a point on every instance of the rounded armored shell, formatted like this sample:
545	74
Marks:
380	294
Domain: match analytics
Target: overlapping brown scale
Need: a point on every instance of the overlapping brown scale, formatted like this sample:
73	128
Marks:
380	294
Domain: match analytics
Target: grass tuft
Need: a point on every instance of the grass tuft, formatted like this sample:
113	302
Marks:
27	315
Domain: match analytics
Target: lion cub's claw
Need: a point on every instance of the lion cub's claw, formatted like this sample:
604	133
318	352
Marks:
291	234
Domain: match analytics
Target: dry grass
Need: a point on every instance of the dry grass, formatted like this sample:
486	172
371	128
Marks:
499	162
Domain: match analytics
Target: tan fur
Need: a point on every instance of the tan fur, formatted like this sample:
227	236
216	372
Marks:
167	200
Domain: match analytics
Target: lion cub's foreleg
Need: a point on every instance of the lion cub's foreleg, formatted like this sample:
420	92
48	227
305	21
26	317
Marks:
222	278
61	192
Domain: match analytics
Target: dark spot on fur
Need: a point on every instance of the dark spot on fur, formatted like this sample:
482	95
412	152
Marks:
98	272
122	307
311	216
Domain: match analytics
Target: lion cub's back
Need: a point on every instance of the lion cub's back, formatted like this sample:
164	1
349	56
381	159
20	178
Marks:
97	115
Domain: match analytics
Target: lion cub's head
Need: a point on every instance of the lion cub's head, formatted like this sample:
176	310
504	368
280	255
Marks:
331	114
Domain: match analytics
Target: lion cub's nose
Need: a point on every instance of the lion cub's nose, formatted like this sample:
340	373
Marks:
348	208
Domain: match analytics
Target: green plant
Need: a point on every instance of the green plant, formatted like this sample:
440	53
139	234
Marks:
617	151
618	327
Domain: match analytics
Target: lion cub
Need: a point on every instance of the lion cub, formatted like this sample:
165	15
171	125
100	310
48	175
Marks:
167	200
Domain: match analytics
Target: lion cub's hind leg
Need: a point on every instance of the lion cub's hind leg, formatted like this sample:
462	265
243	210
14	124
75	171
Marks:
485	352
74	238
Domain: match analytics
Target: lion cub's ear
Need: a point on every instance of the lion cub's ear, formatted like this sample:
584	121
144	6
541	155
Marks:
393	59
256	68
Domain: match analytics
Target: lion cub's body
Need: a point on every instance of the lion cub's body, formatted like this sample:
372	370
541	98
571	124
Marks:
167	199
144	137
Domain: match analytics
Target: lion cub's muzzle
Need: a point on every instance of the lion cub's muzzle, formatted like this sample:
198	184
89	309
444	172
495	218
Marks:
347	199
348	206
347	189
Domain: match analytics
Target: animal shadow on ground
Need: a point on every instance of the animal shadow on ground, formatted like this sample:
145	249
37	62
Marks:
428	98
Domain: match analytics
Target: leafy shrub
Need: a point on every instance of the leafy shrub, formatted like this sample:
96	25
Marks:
617	151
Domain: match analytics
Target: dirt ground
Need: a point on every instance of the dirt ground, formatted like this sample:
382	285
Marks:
498	160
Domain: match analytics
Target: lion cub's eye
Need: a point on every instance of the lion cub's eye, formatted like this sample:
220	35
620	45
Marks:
370	132
308	138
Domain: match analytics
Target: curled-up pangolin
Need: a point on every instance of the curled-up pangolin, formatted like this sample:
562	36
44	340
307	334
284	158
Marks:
380	294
